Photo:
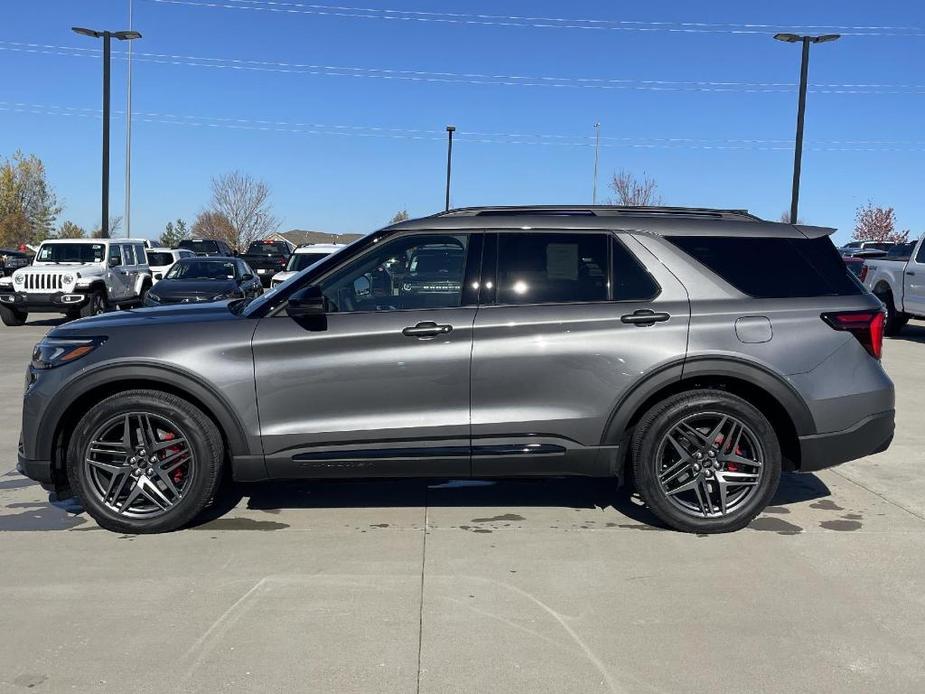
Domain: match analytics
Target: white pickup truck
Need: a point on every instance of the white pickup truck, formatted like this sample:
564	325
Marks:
898	280
77	277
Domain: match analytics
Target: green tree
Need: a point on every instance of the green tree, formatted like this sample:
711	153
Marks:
174	232
69	230
28	205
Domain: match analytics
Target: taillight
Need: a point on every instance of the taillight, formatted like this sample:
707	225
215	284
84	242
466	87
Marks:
862	275
866	326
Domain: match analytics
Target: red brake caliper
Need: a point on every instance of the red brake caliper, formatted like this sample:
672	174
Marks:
177	473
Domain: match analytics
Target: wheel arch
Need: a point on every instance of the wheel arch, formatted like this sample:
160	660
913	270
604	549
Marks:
777	399
78	397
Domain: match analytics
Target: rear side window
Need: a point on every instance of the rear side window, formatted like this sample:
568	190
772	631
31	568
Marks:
552	268
631	281
771	268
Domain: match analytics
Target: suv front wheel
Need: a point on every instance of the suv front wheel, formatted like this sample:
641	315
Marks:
706	461
144	461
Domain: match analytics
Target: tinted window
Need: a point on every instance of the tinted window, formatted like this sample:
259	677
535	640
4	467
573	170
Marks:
920	256
551	268
71	253
413	272
300	261
631	281
773	267
159	258
200	246
115	255
268	248
202	270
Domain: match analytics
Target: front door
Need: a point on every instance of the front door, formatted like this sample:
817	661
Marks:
120	265
914	283
574	321
380	385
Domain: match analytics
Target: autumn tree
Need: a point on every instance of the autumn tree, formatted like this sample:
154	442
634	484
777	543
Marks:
115	223
634	192
69	230
213	225
28	205
244	203
877	224
174	232
399	216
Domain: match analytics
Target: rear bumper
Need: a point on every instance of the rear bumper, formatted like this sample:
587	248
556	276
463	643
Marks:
871	435
57	302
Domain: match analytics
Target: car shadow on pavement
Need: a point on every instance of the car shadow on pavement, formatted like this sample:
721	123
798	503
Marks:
911	333
566	492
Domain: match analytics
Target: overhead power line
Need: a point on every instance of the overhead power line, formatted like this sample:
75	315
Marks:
469	78
468	18
477	137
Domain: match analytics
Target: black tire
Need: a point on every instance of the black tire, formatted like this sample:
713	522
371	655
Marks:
12	317
205	466
648	447
145	288
95	305
895	320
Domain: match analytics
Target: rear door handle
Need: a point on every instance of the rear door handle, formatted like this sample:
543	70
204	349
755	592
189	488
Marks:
427	329
644	317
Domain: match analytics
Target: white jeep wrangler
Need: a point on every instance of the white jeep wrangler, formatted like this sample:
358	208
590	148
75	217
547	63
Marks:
77	277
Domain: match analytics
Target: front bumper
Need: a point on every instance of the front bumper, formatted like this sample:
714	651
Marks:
871	435
38	470
30	302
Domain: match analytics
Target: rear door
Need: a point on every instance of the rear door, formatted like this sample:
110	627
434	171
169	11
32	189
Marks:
571	321
914	283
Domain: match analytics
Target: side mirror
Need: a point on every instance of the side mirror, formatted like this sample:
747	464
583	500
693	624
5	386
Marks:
247	277
307	303
114	262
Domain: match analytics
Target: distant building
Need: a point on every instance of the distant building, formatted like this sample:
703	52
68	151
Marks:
299	237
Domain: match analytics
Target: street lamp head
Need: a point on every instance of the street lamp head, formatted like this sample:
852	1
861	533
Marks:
825	38
789	38
126	35
451	128
87	32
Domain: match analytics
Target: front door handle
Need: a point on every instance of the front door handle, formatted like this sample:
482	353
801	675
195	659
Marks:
644	317
911	274
427	329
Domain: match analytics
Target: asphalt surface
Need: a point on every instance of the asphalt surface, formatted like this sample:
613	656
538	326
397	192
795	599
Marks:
409	586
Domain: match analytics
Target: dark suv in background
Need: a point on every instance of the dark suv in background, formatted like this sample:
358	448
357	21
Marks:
660	346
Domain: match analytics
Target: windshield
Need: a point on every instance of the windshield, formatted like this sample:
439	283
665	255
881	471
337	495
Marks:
202	270
71	253
300	261
268	248
199	246
160	258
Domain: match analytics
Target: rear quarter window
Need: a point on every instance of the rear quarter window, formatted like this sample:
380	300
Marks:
773	268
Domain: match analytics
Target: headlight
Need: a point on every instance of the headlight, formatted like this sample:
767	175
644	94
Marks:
19	279
52	352
68	278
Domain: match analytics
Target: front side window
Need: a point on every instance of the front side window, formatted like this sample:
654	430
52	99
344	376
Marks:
115	255
920	256
552	268
412	272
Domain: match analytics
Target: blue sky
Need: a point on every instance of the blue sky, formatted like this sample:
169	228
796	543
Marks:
342	152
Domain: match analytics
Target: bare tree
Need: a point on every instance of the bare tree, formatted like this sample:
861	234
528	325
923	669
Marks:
785	218
213	225
877	224
115	223
399	216
633	192
244	202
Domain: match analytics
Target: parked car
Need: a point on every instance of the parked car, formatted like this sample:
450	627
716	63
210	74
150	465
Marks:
657	345
10	261
160	260
898	280
195	280
267	257
208	247
77	277
302	257
862	248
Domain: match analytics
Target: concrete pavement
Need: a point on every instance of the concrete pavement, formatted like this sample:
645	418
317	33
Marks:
519	586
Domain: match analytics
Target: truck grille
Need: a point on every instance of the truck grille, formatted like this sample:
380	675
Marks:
36	281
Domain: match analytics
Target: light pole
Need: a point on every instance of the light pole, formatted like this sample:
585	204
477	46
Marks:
107	37
128	135
801	110
450	129
597	147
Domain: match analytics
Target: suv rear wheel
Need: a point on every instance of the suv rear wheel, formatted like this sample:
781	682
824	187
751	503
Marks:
144	461
706	461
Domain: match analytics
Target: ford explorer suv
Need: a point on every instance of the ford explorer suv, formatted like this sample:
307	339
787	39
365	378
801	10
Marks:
658	347
77	277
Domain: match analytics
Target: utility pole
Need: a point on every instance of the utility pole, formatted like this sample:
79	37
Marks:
450	129
597	147
128	137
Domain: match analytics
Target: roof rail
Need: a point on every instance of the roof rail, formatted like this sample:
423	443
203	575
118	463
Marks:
598	211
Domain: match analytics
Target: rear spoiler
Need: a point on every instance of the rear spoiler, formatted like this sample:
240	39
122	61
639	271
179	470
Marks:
812	232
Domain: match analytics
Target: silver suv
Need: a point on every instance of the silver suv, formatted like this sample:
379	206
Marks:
692	353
